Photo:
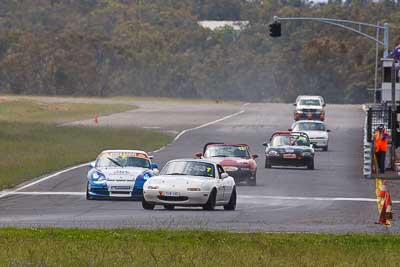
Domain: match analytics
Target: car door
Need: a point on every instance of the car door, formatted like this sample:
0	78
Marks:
226	184
220	183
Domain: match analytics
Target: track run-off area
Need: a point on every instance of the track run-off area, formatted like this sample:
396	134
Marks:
333	198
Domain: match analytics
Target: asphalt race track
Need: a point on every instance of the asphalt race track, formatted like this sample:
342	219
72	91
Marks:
332	198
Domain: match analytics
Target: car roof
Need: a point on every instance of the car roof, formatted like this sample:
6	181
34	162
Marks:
282	132
310	97
122	151
223	144
195	160
289	133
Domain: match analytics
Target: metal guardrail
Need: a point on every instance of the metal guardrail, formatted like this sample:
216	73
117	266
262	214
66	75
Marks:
367	149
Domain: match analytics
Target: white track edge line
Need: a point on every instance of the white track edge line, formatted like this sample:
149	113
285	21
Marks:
6	193
313	198
239	196
210	123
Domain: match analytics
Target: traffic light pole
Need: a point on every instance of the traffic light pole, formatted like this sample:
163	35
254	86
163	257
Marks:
346	24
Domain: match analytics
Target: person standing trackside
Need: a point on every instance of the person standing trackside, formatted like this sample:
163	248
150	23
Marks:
381	141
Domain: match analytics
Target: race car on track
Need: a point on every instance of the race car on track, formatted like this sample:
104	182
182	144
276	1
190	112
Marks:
236	159
119	174
316	131
190	182
309	108
289	149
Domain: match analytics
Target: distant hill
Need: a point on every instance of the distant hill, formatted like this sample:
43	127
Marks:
158	48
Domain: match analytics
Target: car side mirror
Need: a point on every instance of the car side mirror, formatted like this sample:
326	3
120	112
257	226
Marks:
224	175
199	155
151	157
156	172
328	131
294	104
290	129
92	164
265	144
254	156
324	105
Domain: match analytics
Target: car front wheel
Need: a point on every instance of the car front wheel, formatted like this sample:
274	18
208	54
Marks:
267	163
147	206
232	201
211	202
88	196
310	165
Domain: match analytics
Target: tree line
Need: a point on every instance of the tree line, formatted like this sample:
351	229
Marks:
157	48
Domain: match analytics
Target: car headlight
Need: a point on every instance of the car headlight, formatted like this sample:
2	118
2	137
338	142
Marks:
194	189
153	187
96	176
299	111
306	154
273	153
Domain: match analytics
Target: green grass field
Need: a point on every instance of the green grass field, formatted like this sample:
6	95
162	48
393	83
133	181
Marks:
24	110
32	143
60	247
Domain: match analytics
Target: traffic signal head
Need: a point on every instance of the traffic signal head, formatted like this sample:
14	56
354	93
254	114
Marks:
275	29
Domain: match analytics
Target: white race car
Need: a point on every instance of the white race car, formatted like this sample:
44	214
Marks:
190	182
316	131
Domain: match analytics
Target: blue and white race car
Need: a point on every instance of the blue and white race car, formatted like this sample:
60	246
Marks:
119	174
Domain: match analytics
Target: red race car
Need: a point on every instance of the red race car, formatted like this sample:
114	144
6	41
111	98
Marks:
236	159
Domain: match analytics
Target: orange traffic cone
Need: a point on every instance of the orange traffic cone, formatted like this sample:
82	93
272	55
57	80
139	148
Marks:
386	204
96	119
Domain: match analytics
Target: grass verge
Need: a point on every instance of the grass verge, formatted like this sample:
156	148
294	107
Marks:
30	150
23	110
71	247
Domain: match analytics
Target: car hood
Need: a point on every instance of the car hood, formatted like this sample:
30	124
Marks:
230	161
177	180
316	134
127	173
299	107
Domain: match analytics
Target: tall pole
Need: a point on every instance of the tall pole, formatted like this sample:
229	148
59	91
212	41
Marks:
376	62
393	116
386	39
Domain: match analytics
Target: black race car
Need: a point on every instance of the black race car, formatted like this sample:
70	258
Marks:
289	149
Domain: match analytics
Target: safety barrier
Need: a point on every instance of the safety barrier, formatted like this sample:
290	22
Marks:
367	148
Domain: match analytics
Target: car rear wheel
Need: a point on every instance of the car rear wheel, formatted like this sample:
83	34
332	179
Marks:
267	164
310	165
211	202
232	201
147	206
169	207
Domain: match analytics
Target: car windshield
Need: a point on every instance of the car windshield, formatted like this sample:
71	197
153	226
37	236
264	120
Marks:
290	140
193	168
309	126
227	151
310	102
123	160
